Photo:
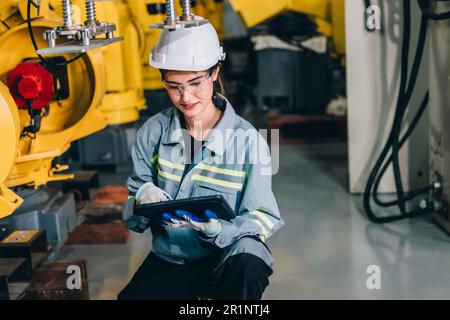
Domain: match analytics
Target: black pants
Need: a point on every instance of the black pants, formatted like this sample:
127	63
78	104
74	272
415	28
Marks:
240	277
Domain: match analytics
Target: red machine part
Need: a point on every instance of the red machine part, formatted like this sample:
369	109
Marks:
31	84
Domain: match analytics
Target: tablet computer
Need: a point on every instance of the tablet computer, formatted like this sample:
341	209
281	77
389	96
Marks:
197	206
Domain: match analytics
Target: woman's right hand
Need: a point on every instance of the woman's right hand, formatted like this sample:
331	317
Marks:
149	193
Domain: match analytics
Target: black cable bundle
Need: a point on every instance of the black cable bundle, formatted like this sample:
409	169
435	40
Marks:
394	142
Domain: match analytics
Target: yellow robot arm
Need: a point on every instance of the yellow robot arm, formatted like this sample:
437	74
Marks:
10	132
67	119
124	96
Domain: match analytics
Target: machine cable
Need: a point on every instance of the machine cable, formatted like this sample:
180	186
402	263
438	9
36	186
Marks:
394	141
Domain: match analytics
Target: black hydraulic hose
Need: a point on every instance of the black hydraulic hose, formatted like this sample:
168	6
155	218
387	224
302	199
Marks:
407	97
403	84
33	40
425	8
413	194
400	110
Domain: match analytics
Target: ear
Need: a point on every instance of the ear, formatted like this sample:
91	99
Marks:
216	72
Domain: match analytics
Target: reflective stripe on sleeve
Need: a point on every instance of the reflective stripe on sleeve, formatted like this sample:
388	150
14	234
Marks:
263	218
264	232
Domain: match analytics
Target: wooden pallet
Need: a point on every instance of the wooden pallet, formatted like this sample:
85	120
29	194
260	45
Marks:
31	245
308	129
13	277
103	218
103	233
59	280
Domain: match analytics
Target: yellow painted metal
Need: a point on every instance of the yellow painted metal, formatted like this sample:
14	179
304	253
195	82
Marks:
9	131
317	8
208	9
338	23
68	120
20	236
328	15
124	86
253	12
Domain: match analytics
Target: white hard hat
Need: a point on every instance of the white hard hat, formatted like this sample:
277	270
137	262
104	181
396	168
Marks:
187	49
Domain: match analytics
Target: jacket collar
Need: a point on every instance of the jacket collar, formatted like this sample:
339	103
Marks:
216	141
174	134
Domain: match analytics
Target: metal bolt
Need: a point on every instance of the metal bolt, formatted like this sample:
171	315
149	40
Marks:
38	4
170	12
85	37
67	12
186	5
90	12
51	38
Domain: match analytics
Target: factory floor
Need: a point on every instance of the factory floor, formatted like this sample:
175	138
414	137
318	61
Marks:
325	248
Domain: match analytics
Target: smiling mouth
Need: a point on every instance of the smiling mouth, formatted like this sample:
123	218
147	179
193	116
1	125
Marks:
189	106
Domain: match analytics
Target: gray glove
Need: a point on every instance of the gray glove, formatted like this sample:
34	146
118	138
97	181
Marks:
149	193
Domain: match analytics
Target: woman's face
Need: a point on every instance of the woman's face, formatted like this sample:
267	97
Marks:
190	91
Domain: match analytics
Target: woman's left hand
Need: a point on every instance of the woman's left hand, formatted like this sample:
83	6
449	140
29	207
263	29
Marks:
209	225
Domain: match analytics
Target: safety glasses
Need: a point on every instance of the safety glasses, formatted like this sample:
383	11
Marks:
193	87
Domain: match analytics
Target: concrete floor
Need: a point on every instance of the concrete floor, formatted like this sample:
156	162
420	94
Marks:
325	248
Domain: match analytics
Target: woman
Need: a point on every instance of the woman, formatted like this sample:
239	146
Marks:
189	151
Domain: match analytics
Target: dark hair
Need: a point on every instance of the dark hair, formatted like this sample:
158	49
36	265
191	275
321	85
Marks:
220	85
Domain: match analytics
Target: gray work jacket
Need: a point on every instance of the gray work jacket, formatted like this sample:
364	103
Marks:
234	163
